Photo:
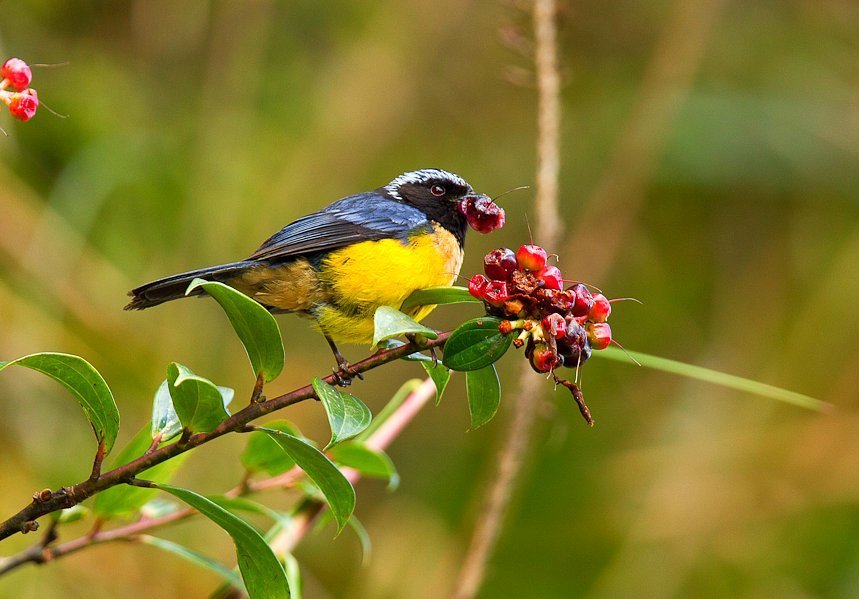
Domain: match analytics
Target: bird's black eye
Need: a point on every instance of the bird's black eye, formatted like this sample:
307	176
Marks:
437	190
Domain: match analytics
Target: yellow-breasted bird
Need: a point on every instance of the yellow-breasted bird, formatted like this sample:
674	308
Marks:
338	265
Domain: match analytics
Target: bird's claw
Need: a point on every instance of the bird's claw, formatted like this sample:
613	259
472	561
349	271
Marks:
344	373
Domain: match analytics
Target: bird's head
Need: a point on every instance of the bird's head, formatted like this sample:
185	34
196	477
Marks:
446	198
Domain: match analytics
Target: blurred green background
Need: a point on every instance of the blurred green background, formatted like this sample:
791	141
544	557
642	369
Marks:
710	169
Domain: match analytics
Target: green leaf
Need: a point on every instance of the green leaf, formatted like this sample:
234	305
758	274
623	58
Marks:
347	415
198	402
262	572
363	539
337	490
256	327
243	504
374	463
484	395
438	296
440	375
72	514
196	558
475	344
164	418
393	323
264	454
125	500
86	384
717	378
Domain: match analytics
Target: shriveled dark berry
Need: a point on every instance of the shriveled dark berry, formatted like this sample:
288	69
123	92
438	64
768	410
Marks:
583	300
477	286
499	264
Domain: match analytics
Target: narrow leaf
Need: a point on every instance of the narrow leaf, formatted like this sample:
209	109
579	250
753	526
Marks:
337	490
264	454
243	504
165	421
256	327
196	558
347	415
440	375
389	323
438	296
125	500
717	378
369	462
484	395
262	572
475	344
197	401
86	384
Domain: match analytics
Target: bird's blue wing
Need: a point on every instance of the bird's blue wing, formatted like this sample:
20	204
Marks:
363	217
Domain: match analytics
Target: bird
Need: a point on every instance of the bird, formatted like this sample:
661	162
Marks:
338	265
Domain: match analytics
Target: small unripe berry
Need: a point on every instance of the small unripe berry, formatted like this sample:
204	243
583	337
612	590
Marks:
17	73
477	286
551	277
23	105
531	257
543	359
601	309
599	335
499	264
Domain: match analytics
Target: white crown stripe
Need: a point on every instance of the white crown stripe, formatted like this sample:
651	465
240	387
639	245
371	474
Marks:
423	176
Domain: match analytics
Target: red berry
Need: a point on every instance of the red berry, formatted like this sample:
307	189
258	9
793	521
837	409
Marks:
551	277
477	286
17	73
482	214
496	293
599	335
555	325
23	105
499	264
531	257
583	300
601	308
543	359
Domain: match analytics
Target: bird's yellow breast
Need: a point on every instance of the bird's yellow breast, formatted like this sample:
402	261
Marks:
361	277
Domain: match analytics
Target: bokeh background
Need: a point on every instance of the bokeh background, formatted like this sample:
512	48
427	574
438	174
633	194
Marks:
710	169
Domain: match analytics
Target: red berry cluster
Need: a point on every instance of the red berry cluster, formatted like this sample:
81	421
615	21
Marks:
560	326
23	101
482	214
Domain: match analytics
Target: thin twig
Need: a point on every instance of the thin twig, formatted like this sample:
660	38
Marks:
517	440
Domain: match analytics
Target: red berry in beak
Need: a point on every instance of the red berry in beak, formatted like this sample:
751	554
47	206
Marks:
477	286
483	215
23	105
499	264
599	335
601	309
531	257
551	277
17	73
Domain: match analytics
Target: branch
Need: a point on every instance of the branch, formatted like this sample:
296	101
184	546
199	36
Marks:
517	440
300	523
46	502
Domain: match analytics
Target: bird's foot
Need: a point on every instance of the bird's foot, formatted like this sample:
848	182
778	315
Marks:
344	373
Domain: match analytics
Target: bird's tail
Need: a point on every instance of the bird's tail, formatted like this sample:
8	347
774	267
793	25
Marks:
170	288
